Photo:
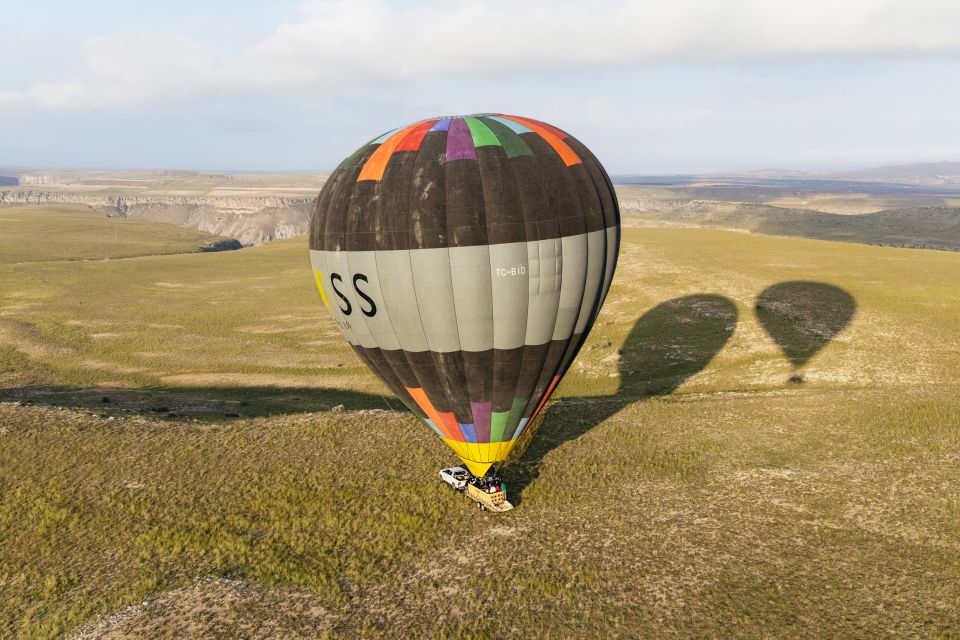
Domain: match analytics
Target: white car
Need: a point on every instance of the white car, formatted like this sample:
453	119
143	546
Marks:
456	477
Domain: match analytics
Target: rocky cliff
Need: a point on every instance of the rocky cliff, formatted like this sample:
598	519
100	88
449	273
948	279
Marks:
250	219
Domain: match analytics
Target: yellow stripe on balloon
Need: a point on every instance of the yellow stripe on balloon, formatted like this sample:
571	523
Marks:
323	294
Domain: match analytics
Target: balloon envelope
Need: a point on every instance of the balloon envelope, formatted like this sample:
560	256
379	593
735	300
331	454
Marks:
465	259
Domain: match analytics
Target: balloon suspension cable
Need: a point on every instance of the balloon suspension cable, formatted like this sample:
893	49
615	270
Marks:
384	398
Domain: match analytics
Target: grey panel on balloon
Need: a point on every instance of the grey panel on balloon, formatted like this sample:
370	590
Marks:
365	283
400	299
472	293
573	277
596	248
470	298
545	259
318	260
509	274
434	290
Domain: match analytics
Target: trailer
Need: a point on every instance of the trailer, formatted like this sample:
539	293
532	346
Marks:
490	500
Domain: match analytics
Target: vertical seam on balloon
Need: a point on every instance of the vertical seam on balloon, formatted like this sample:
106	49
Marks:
386	311
523	347
348	187
558	374
453	297
554	379
362	316
351	187
440	424
319	218
529	401
616	226
597	303
335	195
486	225
493	368
420	315
607	277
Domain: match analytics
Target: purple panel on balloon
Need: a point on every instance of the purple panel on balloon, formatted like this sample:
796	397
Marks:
460	142
481	418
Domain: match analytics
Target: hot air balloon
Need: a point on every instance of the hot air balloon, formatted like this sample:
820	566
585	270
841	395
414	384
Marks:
465	259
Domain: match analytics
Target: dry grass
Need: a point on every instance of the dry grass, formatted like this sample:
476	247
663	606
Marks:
220	608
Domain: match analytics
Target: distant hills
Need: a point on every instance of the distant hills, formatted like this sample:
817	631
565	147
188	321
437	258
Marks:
912	205
944	172
915	205
249	207
925	174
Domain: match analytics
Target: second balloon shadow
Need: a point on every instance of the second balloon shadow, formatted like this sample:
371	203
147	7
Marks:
665	347
802	317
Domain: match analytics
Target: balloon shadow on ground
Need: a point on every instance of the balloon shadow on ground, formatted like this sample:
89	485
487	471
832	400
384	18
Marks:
666	346
802	317
204	404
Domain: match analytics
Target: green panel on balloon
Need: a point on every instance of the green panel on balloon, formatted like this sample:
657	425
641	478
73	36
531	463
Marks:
481	134
498	425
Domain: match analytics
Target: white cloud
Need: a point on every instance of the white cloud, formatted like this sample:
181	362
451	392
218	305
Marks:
353	43
373	38
127	70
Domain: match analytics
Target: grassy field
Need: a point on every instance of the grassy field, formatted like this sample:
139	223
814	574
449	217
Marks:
74	232
189	449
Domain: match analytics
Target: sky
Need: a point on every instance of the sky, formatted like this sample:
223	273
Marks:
652	87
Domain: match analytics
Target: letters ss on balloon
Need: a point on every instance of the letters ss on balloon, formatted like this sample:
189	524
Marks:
368	307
